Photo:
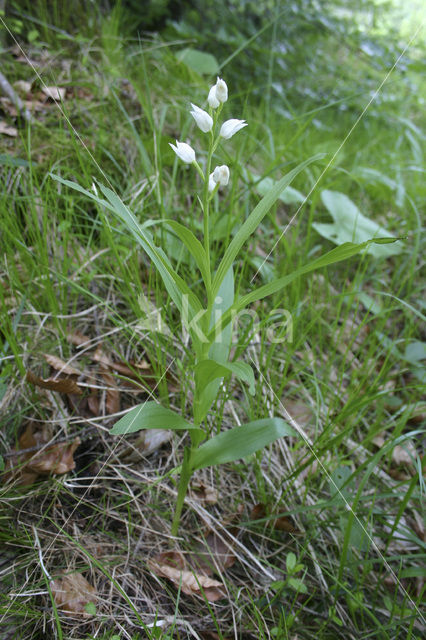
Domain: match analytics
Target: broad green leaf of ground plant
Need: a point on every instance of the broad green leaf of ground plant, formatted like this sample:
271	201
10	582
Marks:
254	219
350	225
288	196
150	415
207	372
345	251
240	442
199	61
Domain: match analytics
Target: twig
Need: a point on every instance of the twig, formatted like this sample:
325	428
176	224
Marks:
9	91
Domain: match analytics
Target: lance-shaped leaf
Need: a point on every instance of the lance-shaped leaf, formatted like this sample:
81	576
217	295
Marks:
345	251
174	284
207	373
254	219
194	247
240	442
208	370
150	415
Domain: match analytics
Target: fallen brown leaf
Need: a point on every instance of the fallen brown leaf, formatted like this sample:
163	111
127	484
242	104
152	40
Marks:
147	441
214	555
71	593
8	107
280	523
77	339
8	130
23	86
54	93
112	400
61	366
137	371
63	385
300	411
402	456
57	458
204	494
190	583
93	404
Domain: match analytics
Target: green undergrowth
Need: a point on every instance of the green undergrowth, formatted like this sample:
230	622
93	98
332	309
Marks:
351	374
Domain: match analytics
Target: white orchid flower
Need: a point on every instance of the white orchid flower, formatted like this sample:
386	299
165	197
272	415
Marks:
184	151
230	127
212	100
221	175
202	118
212	183
221	90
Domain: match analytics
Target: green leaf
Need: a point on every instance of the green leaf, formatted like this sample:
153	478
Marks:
174	284
415	352
207	373
350	225
240	442
90	608
297	585
150	415
290	561
208	370
288	196
12	161
194	247
224	300
338	254
77	187
198	61
253	221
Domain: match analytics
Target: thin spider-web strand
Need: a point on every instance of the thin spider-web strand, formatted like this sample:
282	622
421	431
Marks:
345	139
58	104
307	441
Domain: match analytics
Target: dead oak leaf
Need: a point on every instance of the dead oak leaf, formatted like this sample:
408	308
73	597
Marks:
54	93
63	385
71	593
146	442
214	554
8	130
61	366
191	583
112	400
203	493
280	523
77	338
56	459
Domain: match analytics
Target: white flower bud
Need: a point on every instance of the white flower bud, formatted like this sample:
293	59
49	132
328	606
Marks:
212	100
221	175
230	127
184	151
212	182
221	90
202	118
